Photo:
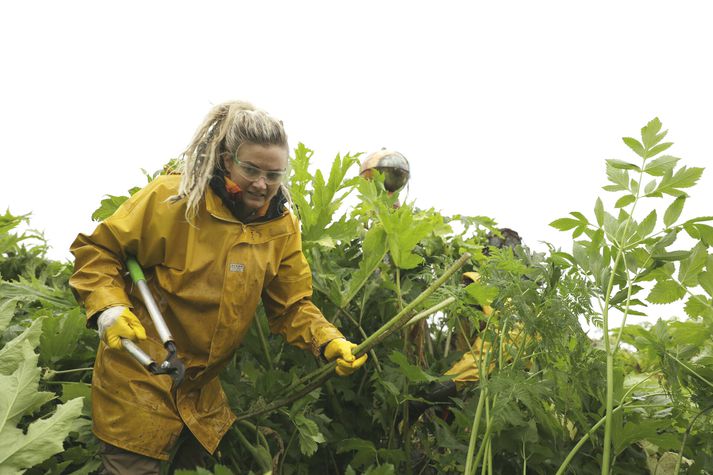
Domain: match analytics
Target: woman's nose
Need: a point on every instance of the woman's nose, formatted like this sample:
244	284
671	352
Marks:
261	182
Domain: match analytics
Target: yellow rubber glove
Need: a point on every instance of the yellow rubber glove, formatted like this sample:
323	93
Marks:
341	350
119	322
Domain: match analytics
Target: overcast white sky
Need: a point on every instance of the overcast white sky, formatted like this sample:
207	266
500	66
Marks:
504	109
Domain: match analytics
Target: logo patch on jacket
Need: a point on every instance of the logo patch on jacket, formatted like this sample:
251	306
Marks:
237	267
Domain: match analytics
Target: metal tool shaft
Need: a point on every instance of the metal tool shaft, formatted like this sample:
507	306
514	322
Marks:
136	352
137	275
163	332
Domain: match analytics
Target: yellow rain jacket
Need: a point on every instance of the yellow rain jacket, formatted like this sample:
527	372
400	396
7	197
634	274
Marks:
207	279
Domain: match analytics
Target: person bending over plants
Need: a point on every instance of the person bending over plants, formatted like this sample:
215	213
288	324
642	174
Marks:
212	241
466	371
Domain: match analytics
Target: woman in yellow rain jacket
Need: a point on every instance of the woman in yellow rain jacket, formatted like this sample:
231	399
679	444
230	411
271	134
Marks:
213	242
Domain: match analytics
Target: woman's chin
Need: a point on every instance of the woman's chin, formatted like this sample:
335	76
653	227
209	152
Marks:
253	203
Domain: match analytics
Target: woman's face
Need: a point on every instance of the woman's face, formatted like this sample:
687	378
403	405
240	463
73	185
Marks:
258	172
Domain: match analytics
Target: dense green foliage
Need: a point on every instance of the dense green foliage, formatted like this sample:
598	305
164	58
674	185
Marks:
557	402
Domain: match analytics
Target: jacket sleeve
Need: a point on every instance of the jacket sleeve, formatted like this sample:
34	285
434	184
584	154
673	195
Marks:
288	302
98	280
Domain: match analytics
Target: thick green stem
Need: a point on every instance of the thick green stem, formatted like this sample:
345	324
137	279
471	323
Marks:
606	454
596	426
677	470
372	353
315	379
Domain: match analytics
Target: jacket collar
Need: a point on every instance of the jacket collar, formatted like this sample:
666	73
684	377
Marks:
220	204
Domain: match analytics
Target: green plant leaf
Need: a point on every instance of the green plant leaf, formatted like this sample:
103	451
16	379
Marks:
413	373
7	310
705	279
635	431
309	434
44	437
692	266
564	224
622	165
635	145
650	187
673	211
705	233
60	335
666	291
374	248
647	225
624	201
650	133
365	451
599	211
481	294
617	176
13	352
658	149
660	166
683	178
671	256
384	469
697	306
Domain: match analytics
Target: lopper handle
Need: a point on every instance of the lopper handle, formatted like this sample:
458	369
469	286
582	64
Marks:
137	275
137	352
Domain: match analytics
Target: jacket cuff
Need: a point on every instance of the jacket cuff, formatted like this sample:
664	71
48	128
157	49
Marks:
101	299
322	337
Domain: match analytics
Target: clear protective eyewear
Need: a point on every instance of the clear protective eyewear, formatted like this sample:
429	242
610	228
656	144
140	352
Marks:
252	173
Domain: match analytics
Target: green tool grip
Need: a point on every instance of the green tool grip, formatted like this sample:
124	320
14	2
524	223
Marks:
135	270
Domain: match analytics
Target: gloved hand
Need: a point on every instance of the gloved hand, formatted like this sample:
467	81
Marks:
341	350
119	322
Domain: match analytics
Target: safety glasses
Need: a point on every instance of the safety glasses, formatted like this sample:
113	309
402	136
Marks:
252	173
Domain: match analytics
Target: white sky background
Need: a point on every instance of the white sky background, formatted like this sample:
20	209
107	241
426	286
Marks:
504	109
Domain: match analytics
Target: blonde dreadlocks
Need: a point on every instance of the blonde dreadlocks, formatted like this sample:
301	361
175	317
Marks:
225	128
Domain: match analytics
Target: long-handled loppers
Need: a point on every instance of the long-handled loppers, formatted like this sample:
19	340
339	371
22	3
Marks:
171	365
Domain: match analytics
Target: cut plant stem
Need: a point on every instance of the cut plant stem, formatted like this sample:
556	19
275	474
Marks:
315	379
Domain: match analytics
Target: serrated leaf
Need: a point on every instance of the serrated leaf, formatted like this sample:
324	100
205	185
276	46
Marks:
660	166
564	224
647	225
697	306
705	279
673	212
481	294
60	335
309	434
413	373
580	217
635	145
622	165
13	352
650	187
7	310
44	438
683	178
705	233
617	176
666	291
692	266
599	211
374	247
658	149
624	201
650	133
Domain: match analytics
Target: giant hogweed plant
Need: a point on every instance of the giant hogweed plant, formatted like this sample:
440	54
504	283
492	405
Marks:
634	258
